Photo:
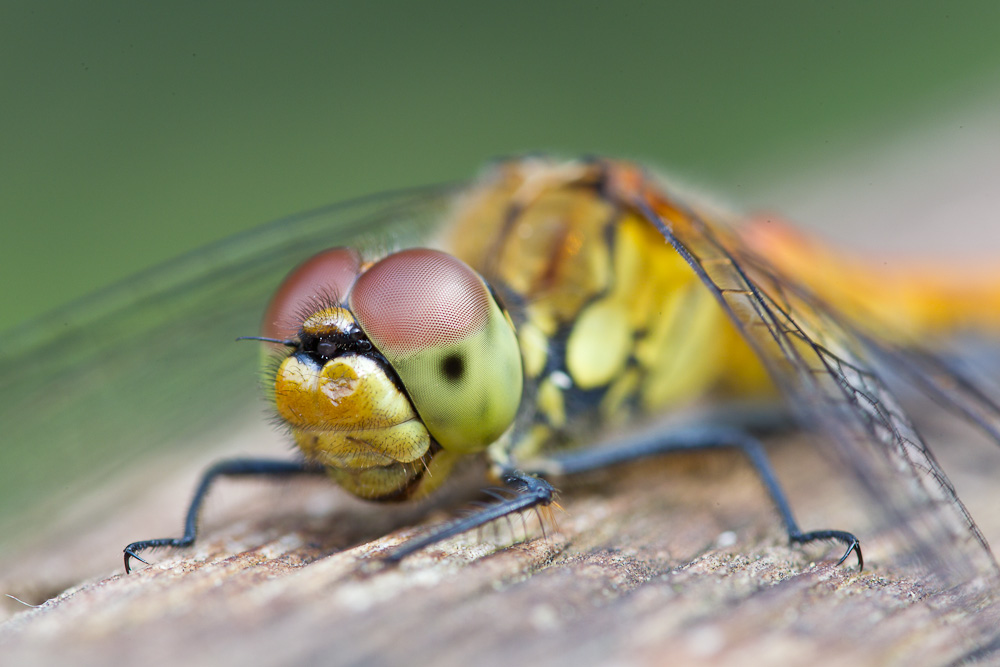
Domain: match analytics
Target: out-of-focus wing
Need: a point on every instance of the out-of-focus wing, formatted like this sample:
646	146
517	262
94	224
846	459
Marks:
945	381
151	363
825	367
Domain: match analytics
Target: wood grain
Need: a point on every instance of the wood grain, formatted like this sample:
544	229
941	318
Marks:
678	561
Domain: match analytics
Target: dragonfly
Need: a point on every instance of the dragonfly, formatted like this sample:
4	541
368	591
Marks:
543	316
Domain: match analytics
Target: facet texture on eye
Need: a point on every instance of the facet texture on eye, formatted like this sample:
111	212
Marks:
418	298
322	280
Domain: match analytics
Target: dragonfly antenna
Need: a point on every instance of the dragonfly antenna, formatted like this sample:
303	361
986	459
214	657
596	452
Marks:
288	342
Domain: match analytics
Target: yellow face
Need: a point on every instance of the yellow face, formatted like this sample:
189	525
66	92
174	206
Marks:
395	367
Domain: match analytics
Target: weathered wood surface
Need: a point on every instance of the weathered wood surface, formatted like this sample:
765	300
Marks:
679	561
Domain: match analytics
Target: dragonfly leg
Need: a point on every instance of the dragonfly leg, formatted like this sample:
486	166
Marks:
226	468
691	439
529	492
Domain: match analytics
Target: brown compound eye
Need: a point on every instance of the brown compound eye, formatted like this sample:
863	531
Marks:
320	281
419	298
436	322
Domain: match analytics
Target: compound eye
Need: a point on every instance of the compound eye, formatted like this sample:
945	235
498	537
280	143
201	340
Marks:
438	325
320	281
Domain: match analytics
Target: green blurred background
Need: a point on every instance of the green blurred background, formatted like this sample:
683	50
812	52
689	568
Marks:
135	131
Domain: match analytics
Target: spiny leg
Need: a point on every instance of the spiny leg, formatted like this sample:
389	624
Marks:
530	492
691	439
227	468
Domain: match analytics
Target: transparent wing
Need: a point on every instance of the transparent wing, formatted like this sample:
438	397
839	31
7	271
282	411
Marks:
945	380
827	370
151	363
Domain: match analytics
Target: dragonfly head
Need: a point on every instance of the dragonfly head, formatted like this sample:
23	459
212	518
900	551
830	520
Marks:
393	362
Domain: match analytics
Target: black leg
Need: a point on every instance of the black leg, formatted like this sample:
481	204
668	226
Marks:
530	492
698	438
228	468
